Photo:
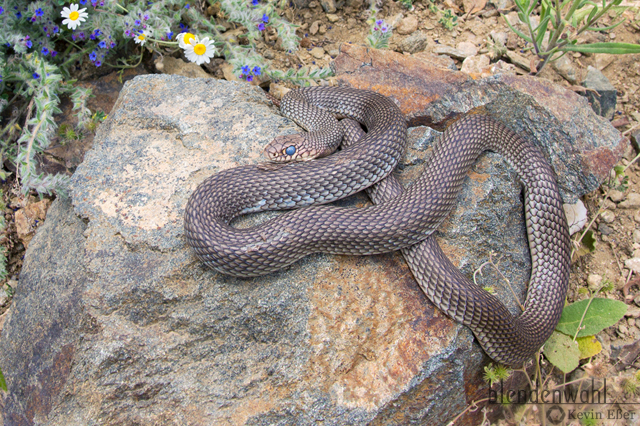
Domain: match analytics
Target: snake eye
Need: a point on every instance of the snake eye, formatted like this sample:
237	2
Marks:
290	150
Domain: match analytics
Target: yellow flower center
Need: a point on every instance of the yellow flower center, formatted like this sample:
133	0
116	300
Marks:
188	37
74	15
142	37
199	49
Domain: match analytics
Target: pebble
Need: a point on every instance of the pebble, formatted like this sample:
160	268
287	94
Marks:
415	43
322	30
407	26
616	196
329	6
451	52
604	229
576	216
632	201
499	38
594	281
332	17
313	4
633	264
636	216
622	329
269	54
469	49
317	52
608	216
636	236
631	322
313	29
475	64
518	60
3	297
565	68
632	311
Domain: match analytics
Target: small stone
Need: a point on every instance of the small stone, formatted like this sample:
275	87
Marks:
576	216
594	281
632	311
499	38
633	264
608	216
450	51
351	23
328	6
636	236
333	18
269	54
615	195
407	26
603	60
415	43
475	65
565	68
518	60
322	30
604	229
603	101
631	322
313	4
632	201
622	329
468	49
305	42
3	298
317	52
313	29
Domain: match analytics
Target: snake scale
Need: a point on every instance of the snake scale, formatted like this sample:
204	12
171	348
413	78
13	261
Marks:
400	219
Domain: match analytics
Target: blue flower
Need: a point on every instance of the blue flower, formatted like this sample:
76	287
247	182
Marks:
255	2
186	6
45	51
97	63
265	18
53	53
97	32
1	10
245	69
137	22
170	35
145	17
18	15
93	56
379	22
29	44
83	1
39	12
113	44
384	28
36	75
256	70
261	26
56	30
249	78
102	44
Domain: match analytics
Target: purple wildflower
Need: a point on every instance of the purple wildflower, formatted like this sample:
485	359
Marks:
256	70
39	12
35	75
249	78
265	18
93	56
45	51
261	26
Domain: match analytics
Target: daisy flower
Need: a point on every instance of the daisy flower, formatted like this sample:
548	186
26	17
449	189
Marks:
184	39
73	16
200	51
141	38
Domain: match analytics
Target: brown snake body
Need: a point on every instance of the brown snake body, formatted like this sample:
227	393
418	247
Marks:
403	220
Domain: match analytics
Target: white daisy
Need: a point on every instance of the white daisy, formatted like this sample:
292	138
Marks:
73	16
200	51
141	38
185	38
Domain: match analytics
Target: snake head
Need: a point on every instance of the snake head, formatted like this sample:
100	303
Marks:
289	148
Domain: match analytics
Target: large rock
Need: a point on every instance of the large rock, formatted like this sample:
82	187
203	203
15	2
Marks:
115	320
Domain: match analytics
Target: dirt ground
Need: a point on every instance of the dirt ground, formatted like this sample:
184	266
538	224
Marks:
616	231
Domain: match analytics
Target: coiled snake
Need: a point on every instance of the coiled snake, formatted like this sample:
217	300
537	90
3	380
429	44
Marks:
401	219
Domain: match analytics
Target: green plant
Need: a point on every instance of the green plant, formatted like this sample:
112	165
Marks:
446	18
559	24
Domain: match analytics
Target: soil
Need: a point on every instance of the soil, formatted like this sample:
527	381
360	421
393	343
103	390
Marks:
616	232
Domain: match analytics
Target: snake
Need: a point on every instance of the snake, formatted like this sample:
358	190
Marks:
400	218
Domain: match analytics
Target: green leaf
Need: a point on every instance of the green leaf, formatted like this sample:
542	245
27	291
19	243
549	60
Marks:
602	313
612	48
589	346
519	33
610	27
562	352
3	383
542	29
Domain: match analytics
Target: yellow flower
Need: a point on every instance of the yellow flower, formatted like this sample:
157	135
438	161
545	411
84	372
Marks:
141	38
